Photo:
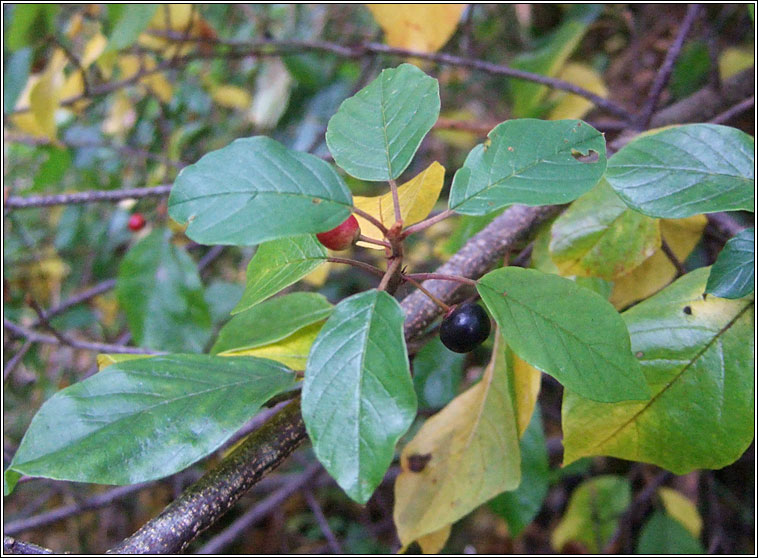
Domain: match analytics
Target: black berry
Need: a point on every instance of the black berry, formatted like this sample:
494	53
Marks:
465	328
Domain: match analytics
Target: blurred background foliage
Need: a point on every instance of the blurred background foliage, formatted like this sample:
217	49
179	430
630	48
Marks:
96	98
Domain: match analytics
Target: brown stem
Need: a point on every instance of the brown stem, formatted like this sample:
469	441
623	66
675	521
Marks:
371	219
390	273
442	277
426	223
376	241
680	269
355	263
420	287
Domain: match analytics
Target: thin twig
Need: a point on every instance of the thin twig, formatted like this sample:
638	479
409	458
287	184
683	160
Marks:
733	111
34	337
664	73
94	196
445	308
100	288
355	263
426	223
390	273
376	241
64	339
259	511
441	277
58	514
371	219
323	523
16	359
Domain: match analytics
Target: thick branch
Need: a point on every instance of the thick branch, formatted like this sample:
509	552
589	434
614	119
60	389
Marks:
13	546
215	493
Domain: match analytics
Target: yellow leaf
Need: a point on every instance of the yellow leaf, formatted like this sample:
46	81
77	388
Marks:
272	92
318	276
93	49
169	17
461	457
574	106
682	509
682	235
526	381
44	100
735	59
433	543
231	96
131	64
291	351
121	115
417	198
421	27
106	359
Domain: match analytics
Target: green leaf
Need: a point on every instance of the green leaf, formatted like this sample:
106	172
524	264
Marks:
733	274
30	22
519	507
437	374
358	396
147	418
376	132
532	162
593	513
128	24
53	169
15	76
549	59
272	321
254	190
599	236
160	290
664	535
278	264
697	357
565	330
686	170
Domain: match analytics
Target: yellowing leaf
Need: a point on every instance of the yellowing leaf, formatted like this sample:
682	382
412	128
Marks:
461	457
180	18
574	106
272	92
231	96
157	84
291	351
735	59
421	27
106	359
121	115
433	543
93	49
682	509
417	198
526	381
682	235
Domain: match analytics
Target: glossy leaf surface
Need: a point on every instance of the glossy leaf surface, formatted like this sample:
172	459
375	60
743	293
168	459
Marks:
271	321
686	170
146	418
531	162
278	264
376	132
733	274
254	190
565	330
599	236
358	396
697	356
159	288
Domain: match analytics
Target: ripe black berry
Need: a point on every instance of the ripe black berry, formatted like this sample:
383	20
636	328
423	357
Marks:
465	328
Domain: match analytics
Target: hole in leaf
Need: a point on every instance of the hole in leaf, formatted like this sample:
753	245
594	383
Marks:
591	156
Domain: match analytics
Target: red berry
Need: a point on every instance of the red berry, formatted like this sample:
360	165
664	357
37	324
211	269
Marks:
342	236
136	222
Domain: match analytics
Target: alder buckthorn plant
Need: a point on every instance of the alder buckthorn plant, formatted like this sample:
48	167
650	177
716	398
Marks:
660	375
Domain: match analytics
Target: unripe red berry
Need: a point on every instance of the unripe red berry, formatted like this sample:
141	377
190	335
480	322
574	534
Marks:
342	236
136	222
